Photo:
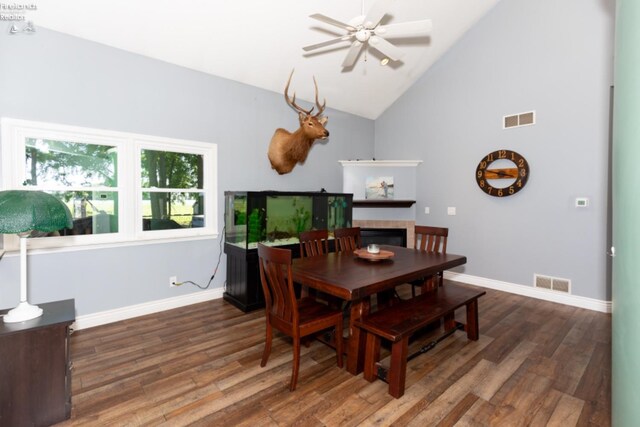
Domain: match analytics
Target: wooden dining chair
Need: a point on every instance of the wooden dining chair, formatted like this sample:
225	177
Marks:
430	239
293	317
314	242
347	239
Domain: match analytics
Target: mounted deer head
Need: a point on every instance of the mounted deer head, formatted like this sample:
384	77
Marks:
287	148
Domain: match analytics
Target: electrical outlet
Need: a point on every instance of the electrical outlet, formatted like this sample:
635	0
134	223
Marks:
173	281
451	210
426	211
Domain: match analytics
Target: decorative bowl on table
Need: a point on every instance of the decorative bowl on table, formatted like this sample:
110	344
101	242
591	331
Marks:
370	256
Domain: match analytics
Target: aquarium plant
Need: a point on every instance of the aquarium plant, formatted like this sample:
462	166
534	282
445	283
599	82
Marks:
300	219
256	231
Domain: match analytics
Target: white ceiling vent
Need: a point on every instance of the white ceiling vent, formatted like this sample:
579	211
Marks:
518	120
552	283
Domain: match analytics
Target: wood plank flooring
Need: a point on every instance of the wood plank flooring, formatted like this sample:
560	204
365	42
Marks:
536	364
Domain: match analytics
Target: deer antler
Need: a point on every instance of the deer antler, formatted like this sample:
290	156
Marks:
292	102
320	107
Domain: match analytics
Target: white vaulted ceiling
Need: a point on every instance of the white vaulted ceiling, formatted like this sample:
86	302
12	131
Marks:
258	42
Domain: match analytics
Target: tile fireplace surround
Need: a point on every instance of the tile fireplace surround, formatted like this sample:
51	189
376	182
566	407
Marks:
384	223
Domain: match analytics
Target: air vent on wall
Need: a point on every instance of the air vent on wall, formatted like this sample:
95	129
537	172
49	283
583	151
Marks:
517	120
552	283
543	282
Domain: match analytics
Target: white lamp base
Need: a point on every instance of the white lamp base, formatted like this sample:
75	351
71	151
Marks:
24	311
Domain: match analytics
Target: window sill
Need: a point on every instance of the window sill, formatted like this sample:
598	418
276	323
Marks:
99	246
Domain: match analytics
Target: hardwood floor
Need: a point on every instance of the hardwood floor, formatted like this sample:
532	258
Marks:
536	363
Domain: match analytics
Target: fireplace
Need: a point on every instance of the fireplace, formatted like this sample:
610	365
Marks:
384	236
406	228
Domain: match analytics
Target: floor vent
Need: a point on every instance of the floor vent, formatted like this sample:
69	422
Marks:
517	120
552	283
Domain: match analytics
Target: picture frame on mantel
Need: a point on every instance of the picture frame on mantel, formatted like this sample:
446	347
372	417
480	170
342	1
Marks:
379	188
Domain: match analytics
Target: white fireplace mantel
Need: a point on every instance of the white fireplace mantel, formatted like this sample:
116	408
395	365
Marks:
355	174
380	163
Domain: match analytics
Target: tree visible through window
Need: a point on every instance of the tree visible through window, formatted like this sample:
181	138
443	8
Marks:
81	175
174	184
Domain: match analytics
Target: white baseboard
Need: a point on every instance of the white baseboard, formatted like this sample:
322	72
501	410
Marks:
123	313
530	291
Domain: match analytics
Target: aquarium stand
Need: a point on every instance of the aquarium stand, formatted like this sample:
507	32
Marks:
244	289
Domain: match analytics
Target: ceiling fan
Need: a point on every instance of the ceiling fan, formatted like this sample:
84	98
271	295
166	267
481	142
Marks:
367	30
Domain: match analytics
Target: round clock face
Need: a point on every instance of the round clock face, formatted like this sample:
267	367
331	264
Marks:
502	173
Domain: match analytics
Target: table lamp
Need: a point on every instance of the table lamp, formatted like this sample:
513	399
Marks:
22	211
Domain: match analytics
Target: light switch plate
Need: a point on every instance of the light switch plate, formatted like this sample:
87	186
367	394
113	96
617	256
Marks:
426	211
582	202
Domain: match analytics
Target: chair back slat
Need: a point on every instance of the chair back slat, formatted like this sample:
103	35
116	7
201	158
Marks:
347	239
314	242
277	283
431	239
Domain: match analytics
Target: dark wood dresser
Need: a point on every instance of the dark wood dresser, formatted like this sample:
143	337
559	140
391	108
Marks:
35	368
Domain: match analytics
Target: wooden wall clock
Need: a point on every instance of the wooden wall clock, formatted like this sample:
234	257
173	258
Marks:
515	176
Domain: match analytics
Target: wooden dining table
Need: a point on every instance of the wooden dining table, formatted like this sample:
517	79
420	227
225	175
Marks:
355	279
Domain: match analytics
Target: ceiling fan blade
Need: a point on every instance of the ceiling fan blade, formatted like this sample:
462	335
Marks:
405	29
352	55
327	43
386	48
326	19
376	13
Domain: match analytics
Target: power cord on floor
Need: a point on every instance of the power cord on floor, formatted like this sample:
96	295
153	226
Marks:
215	271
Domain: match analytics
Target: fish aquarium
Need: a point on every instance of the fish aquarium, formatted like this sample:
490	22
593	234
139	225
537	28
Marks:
276	219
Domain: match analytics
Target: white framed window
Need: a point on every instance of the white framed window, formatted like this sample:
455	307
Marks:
119	187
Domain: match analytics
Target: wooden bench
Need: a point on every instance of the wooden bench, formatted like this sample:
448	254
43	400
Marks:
399	321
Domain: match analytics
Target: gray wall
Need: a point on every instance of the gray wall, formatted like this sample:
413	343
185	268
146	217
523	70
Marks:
551	56
56	78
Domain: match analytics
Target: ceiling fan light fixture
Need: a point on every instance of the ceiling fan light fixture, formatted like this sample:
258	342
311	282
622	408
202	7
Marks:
363	35
384	61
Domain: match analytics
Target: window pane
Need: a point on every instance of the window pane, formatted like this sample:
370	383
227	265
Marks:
93	212
168	210
69	163
165	169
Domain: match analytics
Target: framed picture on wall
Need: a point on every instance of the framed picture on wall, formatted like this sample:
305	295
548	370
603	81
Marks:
380	187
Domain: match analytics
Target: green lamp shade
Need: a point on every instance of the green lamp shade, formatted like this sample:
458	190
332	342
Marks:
22	210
